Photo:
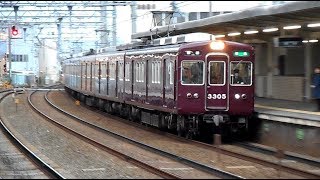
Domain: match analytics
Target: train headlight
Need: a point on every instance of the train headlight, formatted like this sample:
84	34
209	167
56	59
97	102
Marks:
217	45
196	95
189	95
237	96
244	96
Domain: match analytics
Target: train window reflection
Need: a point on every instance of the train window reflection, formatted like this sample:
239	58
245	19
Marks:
192	72
217	73
241	73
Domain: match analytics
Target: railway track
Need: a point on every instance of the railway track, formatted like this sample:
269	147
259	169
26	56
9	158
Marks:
197	169
279	167
70	155
46	171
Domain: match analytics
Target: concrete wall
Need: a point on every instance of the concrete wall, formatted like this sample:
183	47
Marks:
295	63
261	59
293	84
315	55
290	137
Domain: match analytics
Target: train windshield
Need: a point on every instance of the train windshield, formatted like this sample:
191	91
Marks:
192	73
241	73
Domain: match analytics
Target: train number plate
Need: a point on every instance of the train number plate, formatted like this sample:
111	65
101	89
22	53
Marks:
217	96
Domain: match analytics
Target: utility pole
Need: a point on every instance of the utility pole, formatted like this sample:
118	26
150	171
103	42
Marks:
10	37
134	16
114	25
210	8
175	12
9	52
70	13
103	32
59	41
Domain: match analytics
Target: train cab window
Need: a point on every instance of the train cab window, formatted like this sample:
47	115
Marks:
192	73
217	73
241	73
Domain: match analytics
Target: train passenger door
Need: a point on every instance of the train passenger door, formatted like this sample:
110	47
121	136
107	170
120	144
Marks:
168	81
217	89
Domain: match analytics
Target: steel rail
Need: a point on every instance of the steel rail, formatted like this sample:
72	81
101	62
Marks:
46	168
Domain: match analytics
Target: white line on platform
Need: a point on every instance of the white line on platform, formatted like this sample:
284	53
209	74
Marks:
176	168
94	169
285	109
239	167
38	89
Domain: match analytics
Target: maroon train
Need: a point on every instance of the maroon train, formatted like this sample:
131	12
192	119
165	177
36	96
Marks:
185	87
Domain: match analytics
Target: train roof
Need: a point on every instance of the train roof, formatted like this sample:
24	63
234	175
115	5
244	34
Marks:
161	45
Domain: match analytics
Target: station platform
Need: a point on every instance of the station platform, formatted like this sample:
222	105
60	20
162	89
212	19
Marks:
302	113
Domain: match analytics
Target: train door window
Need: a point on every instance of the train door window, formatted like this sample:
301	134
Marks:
91	75
103	70
127	71
241	73
108	71
158	76
99	70
112	71
153	72
217	73
81	74
88	70
140	68
156	72
96	70
192	73
137	71
134	74
171	71
142	71
121	71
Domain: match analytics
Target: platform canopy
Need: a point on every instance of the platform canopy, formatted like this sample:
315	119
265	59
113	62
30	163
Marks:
258	18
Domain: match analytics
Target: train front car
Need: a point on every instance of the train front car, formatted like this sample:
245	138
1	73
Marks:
215	89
